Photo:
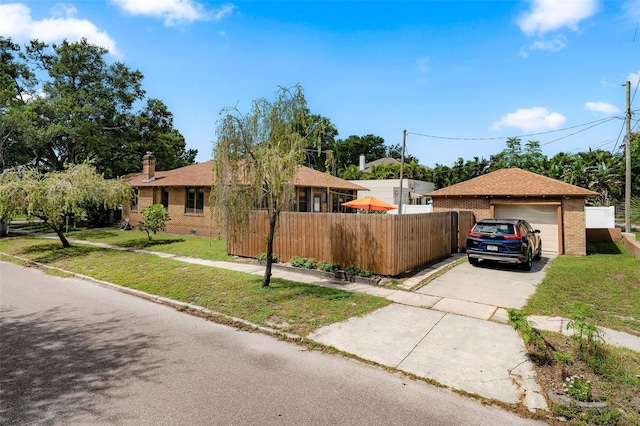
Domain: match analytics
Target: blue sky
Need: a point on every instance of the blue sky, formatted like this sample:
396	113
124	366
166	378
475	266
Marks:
472	73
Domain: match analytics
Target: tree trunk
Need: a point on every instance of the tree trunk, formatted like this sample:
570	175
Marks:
4	227
273	219
63	239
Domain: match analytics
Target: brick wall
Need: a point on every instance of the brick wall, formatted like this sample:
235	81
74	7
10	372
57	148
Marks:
181	223
575	235
632	245
479	206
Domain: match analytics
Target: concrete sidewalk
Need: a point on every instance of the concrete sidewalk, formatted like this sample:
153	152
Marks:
465	352
459	343
463	344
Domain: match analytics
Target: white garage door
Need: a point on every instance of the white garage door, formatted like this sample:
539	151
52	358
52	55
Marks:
542	217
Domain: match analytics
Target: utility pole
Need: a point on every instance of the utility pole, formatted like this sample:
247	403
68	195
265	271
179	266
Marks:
404	144
627	180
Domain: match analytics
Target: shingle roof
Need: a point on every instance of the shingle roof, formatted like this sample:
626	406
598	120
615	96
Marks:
379	162
512	183
201	174
308	177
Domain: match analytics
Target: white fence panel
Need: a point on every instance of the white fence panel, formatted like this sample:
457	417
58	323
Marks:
600	217
413	209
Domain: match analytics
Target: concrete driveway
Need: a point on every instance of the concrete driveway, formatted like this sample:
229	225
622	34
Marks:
499	285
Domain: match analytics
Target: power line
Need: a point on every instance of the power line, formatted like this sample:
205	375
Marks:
635	90
590	124
569	135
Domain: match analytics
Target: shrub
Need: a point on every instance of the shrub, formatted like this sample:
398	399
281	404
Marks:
303	262
297	261
352	270
309	263
365	273
328	267
586	334
153	219
263	258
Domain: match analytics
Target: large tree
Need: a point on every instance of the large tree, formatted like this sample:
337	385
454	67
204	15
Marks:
348	151
11	198
255	159
86	108
320	135
17	85
58	196
530	158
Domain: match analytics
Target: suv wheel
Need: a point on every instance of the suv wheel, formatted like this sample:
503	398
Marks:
473	261
526	266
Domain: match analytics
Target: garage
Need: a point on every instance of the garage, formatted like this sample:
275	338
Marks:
541	216
555	208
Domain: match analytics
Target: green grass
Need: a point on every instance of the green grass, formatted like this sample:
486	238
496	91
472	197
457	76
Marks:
182	245
608	279
287	306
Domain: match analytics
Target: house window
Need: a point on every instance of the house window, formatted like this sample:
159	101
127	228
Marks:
316	203
338	199
165	198
195	200
303	204
134	199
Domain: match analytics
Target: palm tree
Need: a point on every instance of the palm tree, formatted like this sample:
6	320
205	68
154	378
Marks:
351	172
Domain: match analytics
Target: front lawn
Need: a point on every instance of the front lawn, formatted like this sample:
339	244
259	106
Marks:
181	245
607	282
608	279
287	306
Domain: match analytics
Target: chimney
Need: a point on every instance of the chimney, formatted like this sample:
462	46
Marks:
148	167
362	162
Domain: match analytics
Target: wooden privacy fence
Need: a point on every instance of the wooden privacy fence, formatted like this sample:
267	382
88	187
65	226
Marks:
466	220
384	244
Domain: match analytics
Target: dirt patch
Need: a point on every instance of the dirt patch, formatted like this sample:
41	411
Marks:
560	365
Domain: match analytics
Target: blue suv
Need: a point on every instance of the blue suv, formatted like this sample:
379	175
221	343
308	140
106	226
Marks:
504	240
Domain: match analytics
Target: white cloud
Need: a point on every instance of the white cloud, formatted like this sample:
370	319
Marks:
632	9
532	119
601	107
552	15
174	12
554	45
16	22
606	83
223	12
634	78
423	64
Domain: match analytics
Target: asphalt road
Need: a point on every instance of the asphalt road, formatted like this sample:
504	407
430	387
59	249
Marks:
72	352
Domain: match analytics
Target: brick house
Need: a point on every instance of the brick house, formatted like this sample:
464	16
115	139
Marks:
555	208
185	192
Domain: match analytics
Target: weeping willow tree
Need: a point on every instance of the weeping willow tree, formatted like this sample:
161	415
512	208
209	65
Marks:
55	197
11	198
255	159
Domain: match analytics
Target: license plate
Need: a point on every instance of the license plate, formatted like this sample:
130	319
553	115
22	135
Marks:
492	248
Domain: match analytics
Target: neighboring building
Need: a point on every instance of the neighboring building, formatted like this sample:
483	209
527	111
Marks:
185	192
556	208
367	167
388	190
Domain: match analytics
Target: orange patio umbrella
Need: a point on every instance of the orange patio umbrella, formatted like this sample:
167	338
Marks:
369	203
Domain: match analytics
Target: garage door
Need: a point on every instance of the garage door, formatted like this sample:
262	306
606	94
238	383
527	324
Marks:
542	217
